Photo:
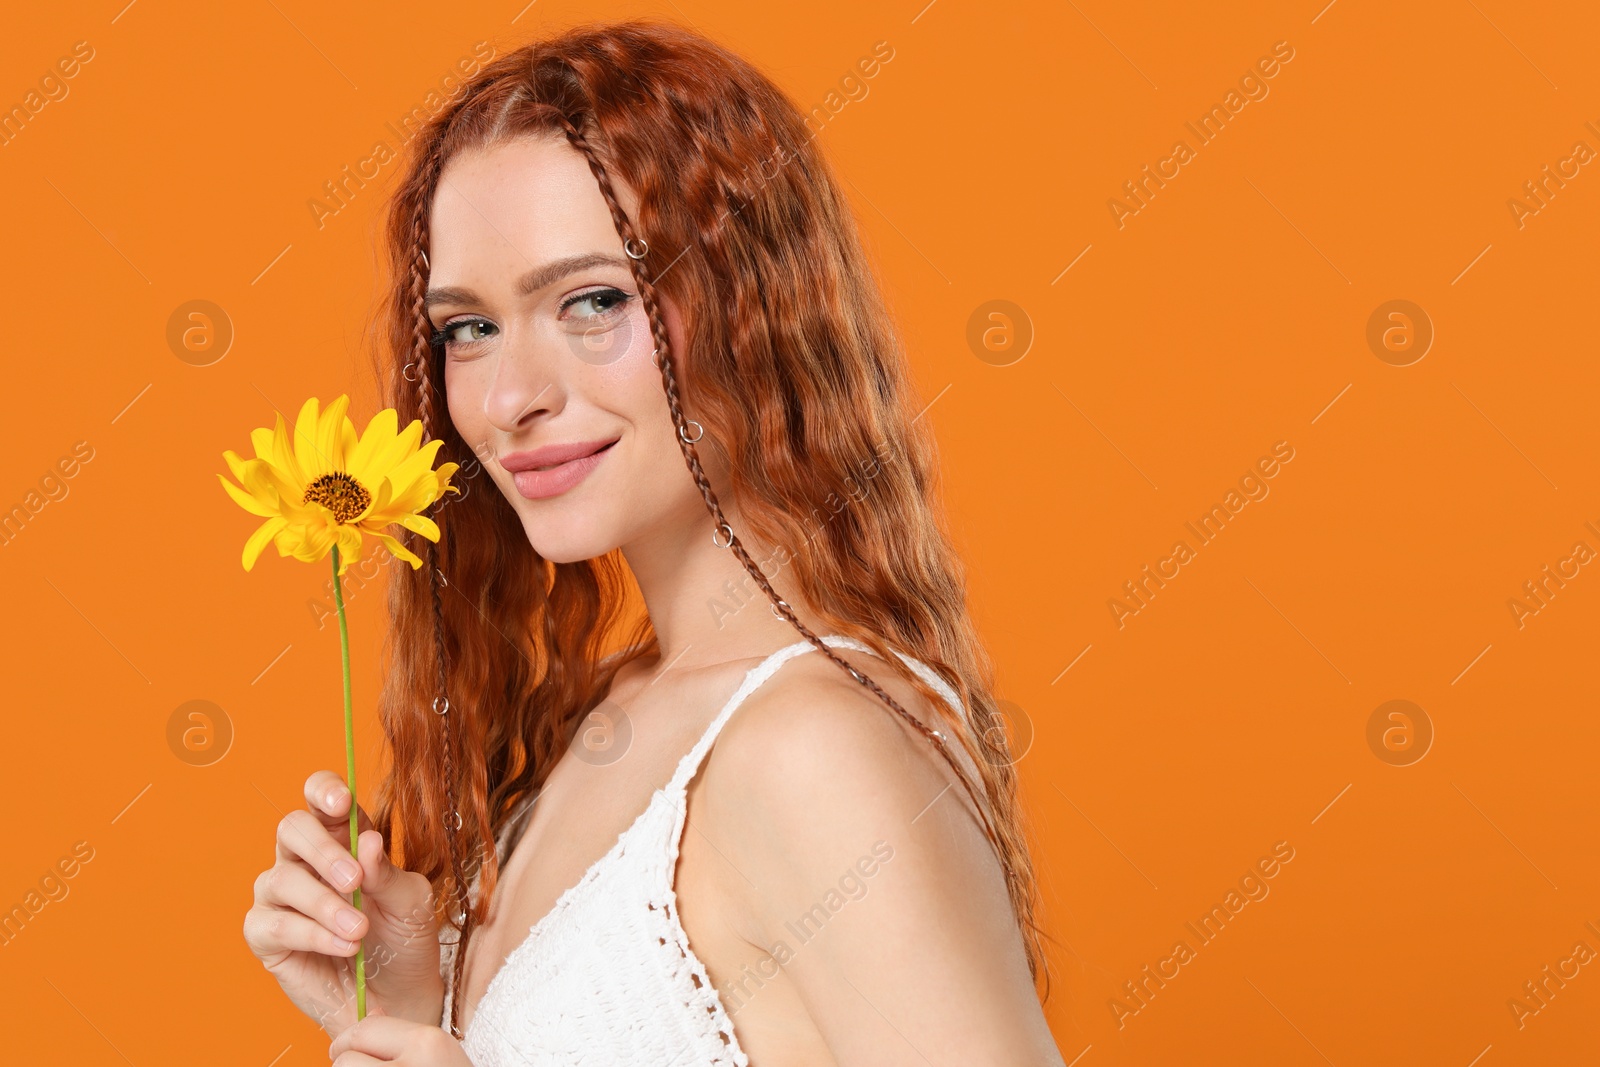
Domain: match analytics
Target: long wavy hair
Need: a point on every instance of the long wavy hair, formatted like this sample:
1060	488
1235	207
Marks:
496	654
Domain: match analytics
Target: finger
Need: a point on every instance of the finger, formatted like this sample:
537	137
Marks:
289	885
382	880
301	836
383	1036
328	798
273	931
357	1059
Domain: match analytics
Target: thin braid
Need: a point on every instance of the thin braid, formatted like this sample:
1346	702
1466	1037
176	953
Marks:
452	822
422	352
669	380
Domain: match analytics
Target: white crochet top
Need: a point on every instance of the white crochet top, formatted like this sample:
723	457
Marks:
607	977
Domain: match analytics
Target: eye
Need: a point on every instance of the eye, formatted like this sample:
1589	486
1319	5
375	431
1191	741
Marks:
603	302
448	335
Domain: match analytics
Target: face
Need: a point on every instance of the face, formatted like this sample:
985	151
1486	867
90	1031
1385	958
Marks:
548	369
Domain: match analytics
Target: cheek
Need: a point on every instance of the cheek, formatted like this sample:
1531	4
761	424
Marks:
464	400
631	385
630	346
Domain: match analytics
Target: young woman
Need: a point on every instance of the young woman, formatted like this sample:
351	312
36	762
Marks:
627	283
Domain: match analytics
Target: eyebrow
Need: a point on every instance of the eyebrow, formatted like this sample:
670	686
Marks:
536	279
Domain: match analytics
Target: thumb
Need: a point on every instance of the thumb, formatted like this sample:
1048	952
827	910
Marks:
378	875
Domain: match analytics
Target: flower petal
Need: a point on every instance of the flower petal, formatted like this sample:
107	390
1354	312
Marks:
420	494
330	438
393	453
254	505
284	459
414	466
235	463
347	444
349	540
313	543
289	539
379	433
378	506
397	549
258	540
421	524
265	482
312	465
417	497
262	440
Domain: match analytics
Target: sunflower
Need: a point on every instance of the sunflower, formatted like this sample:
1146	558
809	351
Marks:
328	487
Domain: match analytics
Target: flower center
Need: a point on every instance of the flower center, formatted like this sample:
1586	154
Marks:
340	494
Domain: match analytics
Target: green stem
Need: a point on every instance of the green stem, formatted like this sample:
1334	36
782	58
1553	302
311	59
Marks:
350	778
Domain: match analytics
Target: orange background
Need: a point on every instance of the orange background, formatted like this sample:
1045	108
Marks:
1228	314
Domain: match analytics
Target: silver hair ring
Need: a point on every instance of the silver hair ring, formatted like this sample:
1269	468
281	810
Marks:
437	710
627	247
775	610
457	816
425	262
721	527
700	431
406	373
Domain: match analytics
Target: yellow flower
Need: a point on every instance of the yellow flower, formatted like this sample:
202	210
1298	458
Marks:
329	487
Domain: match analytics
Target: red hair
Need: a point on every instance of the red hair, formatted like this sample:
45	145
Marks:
798	377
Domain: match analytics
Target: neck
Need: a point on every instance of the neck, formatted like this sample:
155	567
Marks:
704	606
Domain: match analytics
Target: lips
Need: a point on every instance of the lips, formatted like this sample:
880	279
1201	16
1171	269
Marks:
553	455
555	469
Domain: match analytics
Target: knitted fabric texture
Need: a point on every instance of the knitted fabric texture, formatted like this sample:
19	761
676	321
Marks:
607	977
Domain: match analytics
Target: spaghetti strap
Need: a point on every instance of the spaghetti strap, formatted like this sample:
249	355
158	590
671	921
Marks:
753	680
758	674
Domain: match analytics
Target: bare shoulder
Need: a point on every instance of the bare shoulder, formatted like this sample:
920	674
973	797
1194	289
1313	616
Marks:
864	871
814	770
818	744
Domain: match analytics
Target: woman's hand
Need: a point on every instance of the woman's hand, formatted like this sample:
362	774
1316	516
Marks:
385	1039
305	932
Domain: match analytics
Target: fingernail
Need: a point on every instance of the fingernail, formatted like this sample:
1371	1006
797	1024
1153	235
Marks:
346	871
334	796
348	921
343	945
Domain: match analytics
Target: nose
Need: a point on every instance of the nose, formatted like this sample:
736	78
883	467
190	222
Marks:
526	382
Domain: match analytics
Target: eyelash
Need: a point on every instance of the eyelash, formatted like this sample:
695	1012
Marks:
442	334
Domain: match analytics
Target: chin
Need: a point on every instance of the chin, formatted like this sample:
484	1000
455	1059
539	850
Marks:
561	546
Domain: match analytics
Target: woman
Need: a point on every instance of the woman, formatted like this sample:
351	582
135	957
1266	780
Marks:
627	283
